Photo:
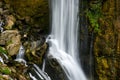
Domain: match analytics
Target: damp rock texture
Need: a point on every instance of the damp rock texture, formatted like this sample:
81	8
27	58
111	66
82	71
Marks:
22	22
107	41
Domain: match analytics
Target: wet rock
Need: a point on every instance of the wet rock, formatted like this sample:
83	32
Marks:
1	4
5	77
5	12
52	66
15	73
11	39
35	51
1	10
6	6
32	12
10	21
34	70
21	77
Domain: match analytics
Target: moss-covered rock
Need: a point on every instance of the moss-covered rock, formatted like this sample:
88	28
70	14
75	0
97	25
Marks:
24	22
107	42
10	21
12	41
35	51
5	70
32	12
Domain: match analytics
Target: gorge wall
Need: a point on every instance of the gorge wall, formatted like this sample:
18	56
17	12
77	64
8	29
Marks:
107	39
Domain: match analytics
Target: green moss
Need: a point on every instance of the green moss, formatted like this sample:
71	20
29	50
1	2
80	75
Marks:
93	14
2	50
5	70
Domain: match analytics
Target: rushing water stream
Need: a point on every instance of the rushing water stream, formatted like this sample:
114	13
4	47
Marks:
64	37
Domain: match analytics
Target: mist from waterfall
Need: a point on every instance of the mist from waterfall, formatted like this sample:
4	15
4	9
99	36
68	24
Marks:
63	39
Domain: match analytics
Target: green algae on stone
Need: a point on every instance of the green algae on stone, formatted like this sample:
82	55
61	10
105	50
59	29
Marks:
2	50
5	70
94	14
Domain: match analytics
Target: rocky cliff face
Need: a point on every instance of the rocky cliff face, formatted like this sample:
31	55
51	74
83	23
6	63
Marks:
34	13
22	22
107	41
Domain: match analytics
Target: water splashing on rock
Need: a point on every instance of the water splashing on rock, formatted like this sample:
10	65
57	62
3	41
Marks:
20	55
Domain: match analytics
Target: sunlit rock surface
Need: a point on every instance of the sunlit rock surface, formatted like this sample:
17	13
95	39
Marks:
11	38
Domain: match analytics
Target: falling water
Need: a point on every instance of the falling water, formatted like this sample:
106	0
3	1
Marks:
1	60
21	52
1	24
63	39
43	66
20	55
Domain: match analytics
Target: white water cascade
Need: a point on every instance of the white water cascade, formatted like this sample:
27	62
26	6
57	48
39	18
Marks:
63	40
20	56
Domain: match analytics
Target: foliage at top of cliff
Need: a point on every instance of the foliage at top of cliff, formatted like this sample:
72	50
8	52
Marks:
94	13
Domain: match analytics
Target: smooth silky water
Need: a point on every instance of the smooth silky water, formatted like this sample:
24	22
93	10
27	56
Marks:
63	39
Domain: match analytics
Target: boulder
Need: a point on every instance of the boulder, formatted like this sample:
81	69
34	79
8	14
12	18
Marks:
11	40
35	51
10	21
53	66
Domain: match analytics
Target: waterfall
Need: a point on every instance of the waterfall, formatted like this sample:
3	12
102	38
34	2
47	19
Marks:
1	24
20	55
43	66
63	39
1	60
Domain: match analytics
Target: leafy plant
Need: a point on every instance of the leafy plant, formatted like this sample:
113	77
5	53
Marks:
2	50
5	70
93	14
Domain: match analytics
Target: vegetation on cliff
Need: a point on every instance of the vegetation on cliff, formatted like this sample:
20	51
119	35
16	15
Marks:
106	43
22	22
